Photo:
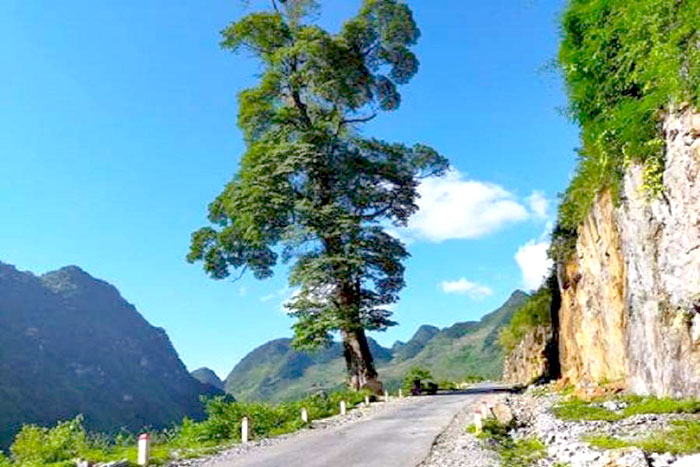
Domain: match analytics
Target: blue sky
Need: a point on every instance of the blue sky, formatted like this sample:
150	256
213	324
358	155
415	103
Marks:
117	128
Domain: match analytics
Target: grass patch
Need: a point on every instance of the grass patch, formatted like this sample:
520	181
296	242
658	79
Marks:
682	438
580	410
607	442
513	453
654	405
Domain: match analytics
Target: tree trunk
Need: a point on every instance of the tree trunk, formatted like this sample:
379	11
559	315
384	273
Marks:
361	372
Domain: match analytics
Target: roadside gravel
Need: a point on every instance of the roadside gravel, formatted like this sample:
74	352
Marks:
456	447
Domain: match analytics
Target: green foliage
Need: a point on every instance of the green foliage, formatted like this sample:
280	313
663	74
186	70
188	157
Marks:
59	446
577	409
536	311
223	424
682	438
624	64
514	453
310	189
415	373
38	446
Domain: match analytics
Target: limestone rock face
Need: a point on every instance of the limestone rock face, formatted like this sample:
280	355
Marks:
661	246
631	295
592	313
529	361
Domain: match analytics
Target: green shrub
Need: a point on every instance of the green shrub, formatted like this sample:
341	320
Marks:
415	373
38	446
513	453
223	423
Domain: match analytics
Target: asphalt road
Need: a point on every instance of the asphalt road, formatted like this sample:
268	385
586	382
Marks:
398	436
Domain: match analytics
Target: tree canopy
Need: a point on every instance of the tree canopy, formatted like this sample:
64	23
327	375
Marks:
310	188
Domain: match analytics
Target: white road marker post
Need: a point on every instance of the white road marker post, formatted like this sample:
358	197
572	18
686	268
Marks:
244	430
343	409
386	396
478	425
367	401
304	416
144	446
400	393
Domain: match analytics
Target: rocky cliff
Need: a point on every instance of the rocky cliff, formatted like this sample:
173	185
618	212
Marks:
529	360
631	293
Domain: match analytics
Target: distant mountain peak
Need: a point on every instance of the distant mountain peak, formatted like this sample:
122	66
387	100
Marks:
517	293
207	376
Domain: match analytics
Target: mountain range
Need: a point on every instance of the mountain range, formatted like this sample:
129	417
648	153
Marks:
275	371
70	344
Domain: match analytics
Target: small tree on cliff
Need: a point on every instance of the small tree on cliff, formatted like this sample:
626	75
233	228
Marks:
310	189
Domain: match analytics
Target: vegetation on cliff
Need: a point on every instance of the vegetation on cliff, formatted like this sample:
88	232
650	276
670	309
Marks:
624	64
535	311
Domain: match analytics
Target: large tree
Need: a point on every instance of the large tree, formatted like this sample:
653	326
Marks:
310	188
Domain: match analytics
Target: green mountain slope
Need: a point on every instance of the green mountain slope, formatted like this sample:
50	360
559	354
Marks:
70	344
463	349
274	371
411	348
207	376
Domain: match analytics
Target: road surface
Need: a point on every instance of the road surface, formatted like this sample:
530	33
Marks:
398	436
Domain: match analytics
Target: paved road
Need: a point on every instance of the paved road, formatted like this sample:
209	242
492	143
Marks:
398	436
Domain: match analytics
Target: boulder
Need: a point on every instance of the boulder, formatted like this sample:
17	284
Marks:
503	414
625	457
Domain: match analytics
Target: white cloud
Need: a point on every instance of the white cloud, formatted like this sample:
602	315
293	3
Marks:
268	297
539	204
466	287
242	291
534	263
453	207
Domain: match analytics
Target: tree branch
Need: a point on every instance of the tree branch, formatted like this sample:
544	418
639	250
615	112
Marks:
360	119
240	276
